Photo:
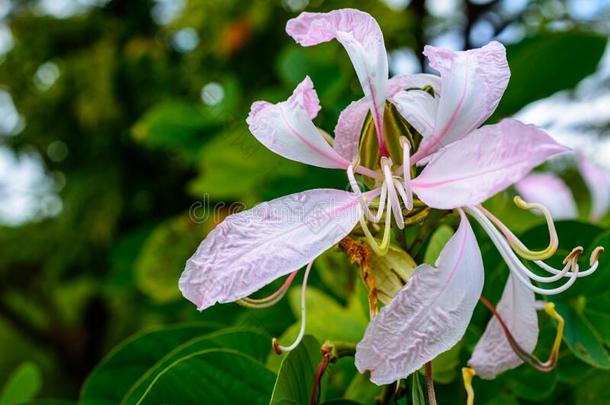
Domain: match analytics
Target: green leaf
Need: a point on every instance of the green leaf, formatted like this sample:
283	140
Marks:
531	384
158	268
438	240
174	125
445	365
362	389
326	318
546	63
113	377
341	402
216	376
417	393
235	165
582	338
295	378
22	386
247	341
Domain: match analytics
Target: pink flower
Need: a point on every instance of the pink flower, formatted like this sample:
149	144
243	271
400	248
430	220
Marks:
465	164
549	190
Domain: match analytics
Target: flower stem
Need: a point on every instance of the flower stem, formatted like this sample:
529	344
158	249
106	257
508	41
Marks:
430	384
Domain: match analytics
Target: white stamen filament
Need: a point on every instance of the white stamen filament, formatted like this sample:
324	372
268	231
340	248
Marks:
405	196
364	204
386	163
519	246
406	172
514	264
379	249
303	314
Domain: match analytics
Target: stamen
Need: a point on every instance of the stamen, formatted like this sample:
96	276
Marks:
406	172
516	244
514	264
276	345
527	357
271	300
386	163
365	171
467	374
379	249
363	201
406	197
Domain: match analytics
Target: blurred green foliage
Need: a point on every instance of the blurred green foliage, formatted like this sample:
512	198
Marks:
157	157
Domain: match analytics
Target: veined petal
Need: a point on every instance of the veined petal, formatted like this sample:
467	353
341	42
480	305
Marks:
252	248
350	123
414	81
549	190
473	83
598	183
286	129
491	158
361	37
428	315
349	127
418	108
493	354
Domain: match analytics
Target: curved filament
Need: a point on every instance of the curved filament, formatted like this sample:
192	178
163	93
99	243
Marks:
271	300
516	244
276	345
516	267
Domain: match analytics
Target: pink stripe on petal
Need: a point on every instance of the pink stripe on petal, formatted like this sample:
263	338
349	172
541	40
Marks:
250	249
361	37
286	129
473	83
428	315
490	159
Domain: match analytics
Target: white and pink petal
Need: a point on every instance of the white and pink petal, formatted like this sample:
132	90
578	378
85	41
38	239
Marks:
598	183
349	127
489	160
250	249
418	108
361	37
428	315
351	120
552	192
473	83
287	129
493	354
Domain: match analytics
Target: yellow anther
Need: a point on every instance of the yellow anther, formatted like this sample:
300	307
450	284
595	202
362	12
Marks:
595	255
467	374
549	308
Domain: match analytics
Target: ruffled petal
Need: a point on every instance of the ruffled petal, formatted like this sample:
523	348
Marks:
351	120
286	129
598	183
490	159
418	108
250	249
349	127
473	83
361	37
550	191
493	354
414	81
428	315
